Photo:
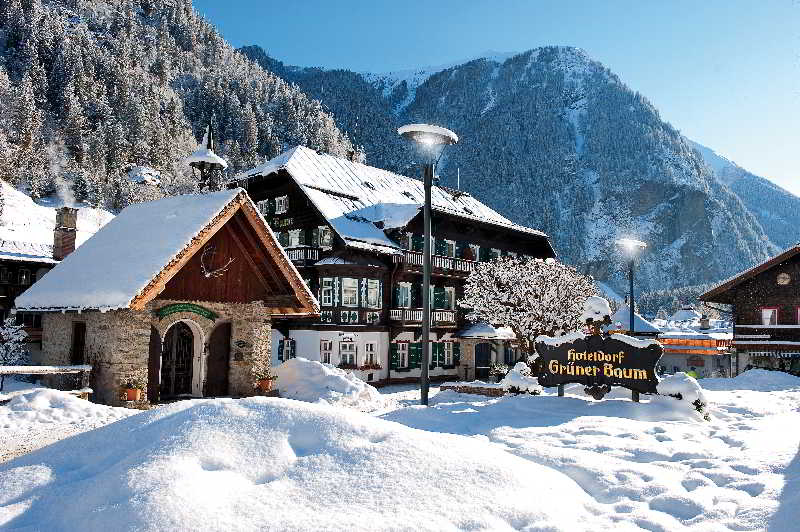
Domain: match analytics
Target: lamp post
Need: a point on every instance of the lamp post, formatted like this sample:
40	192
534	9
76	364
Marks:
432	140
632	248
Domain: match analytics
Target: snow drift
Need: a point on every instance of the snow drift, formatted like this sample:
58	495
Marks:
53	406
315	382
277	464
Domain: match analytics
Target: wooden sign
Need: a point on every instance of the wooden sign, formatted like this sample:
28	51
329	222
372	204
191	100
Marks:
599	361
186	307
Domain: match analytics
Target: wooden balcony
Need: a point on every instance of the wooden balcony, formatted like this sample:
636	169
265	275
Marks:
413	260
303	254
413	316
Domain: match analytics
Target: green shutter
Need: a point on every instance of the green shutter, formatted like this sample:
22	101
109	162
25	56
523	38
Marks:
271	206
315	237
485	254
456	353
302	237
440	247
414	355
280	350
416	295
436	354
417	242
396	292
439	297
460	248
394	357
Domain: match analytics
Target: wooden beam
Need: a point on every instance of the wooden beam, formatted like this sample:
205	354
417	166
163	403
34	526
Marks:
248	258
257	249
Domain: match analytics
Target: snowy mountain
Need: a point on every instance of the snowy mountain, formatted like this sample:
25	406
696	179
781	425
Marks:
91	90
777	209
554	140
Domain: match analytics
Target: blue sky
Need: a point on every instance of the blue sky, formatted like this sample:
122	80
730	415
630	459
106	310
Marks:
724	72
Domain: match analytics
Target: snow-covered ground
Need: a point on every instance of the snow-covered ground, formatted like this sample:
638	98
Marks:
466	462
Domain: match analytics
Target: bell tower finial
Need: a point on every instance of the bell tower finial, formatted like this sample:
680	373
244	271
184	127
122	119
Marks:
208	163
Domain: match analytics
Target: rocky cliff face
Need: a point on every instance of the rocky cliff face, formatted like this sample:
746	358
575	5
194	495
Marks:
556	141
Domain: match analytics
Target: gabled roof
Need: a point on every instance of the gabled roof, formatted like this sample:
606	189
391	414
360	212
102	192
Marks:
718	293
623	317
129	261
353	196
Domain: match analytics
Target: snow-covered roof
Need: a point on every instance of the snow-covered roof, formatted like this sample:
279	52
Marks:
26	227
685	314
350	259
486	331
353	197
622	316
205	153
144	175
116	266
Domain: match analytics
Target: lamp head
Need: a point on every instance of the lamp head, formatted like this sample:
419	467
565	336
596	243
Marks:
428	135
631	246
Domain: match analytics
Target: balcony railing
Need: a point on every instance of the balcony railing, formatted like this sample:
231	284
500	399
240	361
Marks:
303	253
415	315
414	258
756	334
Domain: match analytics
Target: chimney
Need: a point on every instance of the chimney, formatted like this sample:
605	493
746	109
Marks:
704	322
351	156
64	235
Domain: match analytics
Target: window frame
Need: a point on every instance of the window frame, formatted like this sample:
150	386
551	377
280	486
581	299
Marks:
370	353
450	297
373	287
326	290
353	302
325	353
450	247
777	315
402	354
353	353
294	238
405	288
325	236
476	252
447	353
282	204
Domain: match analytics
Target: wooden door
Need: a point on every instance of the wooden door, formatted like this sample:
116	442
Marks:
176	361
483	359
219	351
154	367
77	354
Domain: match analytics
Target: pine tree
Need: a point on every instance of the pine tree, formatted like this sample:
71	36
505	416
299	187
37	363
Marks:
12	345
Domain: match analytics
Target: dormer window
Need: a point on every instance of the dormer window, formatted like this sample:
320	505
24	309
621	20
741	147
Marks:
281	204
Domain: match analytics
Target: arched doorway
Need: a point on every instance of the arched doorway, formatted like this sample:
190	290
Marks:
483	359
177	356
219	352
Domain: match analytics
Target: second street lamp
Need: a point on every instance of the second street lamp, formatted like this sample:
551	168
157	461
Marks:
431	140
632	248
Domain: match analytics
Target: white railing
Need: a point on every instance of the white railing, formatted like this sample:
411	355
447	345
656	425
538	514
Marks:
444	316
414	258
303	253
414	315
396	314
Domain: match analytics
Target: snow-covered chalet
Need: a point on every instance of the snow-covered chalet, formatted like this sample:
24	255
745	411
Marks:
355	234
178	293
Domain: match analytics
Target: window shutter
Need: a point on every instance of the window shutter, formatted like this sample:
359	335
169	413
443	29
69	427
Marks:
456	353
394	357
416	295
417	242
337	287
460	248
396	296
315	237
485	254
439	297
434	354
414	355
440	247
302	239
380	294
271	206
292	352
280	350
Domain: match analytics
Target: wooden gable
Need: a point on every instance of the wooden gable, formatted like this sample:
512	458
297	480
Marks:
234	260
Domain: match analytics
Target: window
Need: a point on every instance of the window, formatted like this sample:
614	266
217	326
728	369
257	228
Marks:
402	355
449	297
325	236
281	204
347	353
325	350
448	353
450	248
263	207
495	253
283	238
286	349
475	251
295	237
373	293
769	316
404	295
24	277
349	292
5	275
370	354
326	292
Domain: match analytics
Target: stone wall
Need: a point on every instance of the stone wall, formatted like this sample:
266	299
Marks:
117	343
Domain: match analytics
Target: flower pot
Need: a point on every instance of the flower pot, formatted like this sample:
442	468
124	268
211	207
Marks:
132	394
265	385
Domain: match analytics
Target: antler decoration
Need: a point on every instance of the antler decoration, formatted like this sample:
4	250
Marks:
208	272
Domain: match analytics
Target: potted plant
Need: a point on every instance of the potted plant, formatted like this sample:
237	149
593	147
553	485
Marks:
264	379
134	386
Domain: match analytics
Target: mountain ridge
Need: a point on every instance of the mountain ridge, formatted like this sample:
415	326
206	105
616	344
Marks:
554	140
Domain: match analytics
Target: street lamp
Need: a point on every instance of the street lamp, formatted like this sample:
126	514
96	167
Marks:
431	139
632	248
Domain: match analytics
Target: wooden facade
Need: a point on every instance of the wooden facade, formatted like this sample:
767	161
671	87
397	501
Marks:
766	309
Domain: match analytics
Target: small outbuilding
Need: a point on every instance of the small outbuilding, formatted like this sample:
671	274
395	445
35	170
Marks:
180	291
